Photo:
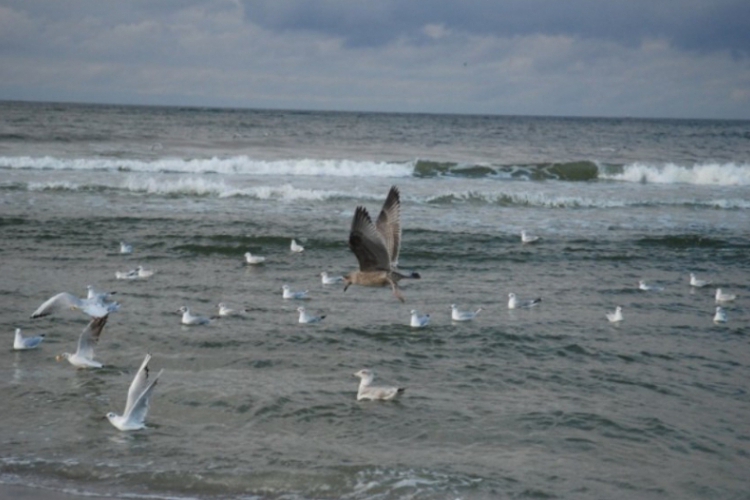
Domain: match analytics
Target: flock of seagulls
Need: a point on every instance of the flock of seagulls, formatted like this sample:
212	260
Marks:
720	315
376	246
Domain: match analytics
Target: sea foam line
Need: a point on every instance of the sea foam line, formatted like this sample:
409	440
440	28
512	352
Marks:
232	165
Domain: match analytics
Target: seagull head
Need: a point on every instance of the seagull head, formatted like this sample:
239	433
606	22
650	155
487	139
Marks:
366	375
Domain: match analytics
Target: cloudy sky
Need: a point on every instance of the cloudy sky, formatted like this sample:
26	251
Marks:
652	58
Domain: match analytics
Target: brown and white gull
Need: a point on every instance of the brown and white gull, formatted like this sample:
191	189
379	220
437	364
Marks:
377	245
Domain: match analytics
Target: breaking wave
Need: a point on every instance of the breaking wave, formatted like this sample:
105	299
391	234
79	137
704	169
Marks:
714	174
216	187
717	174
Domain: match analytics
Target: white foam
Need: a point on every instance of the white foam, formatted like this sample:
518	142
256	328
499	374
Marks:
232	165
714	174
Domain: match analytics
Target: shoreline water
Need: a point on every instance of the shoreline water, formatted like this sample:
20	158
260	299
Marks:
22	492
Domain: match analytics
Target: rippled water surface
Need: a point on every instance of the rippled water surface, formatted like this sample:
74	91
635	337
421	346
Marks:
550	402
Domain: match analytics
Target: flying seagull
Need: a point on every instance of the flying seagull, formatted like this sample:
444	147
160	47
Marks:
377	246
136	406
84	355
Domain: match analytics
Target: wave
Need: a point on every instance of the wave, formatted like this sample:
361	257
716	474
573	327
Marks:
716	174
214	187
233	165
710	174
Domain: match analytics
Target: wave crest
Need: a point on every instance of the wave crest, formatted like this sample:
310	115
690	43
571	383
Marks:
715	174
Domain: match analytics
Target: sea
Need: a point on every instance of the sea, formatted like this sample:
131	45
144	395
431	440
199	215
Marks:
549	402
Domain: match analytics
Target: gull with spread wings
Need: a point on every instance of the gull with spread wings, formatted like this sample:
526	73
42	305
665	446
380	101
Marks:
376	246
84	355
139	396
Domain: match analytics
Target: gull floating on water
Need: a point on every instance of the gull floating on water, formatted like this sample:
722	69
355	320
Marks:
288	293
225	310
724	297
696	282
144	273
367	391
419	320
642	285
528	238
21	343
516	303
125	248
190	320
253	259
84	355
615	317
296	247
720	316
458	315
139	395
305	317
330	280
377	246
94	305
127	275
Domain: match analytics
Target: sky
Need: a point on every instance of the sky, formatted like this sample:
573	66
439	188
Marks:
634	58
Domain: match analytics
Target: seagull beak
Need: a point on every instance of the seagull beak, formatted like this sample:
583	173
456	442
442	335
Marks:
58	357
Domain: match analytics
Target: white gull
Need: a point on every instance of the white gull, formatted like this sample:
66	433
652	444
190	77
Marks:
84	355
368	391
190	320
720	316
616	316
253	259
94	307
528	238
288	293
21	343
724	297
516	303
642	285
137	404
330	280
697	282
458	315
305	317
296	247
419	320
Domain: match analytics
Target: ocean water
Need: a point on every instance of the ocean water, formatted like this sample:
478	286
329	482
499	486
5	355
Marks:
550	402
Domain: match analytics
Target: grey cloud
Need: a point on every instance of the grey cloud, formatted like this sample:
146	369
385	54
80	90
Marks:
702	25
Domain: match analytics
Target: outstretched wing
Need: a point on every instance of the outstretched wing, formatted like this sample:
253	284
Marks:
90	336
367	243
389	224
139	410
60	301
138	385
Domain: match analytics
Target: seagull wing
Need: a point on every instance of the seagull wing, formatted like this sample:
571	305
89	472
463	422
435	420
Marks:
138	385
137	412
90	336
389	224
367	244
60	301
